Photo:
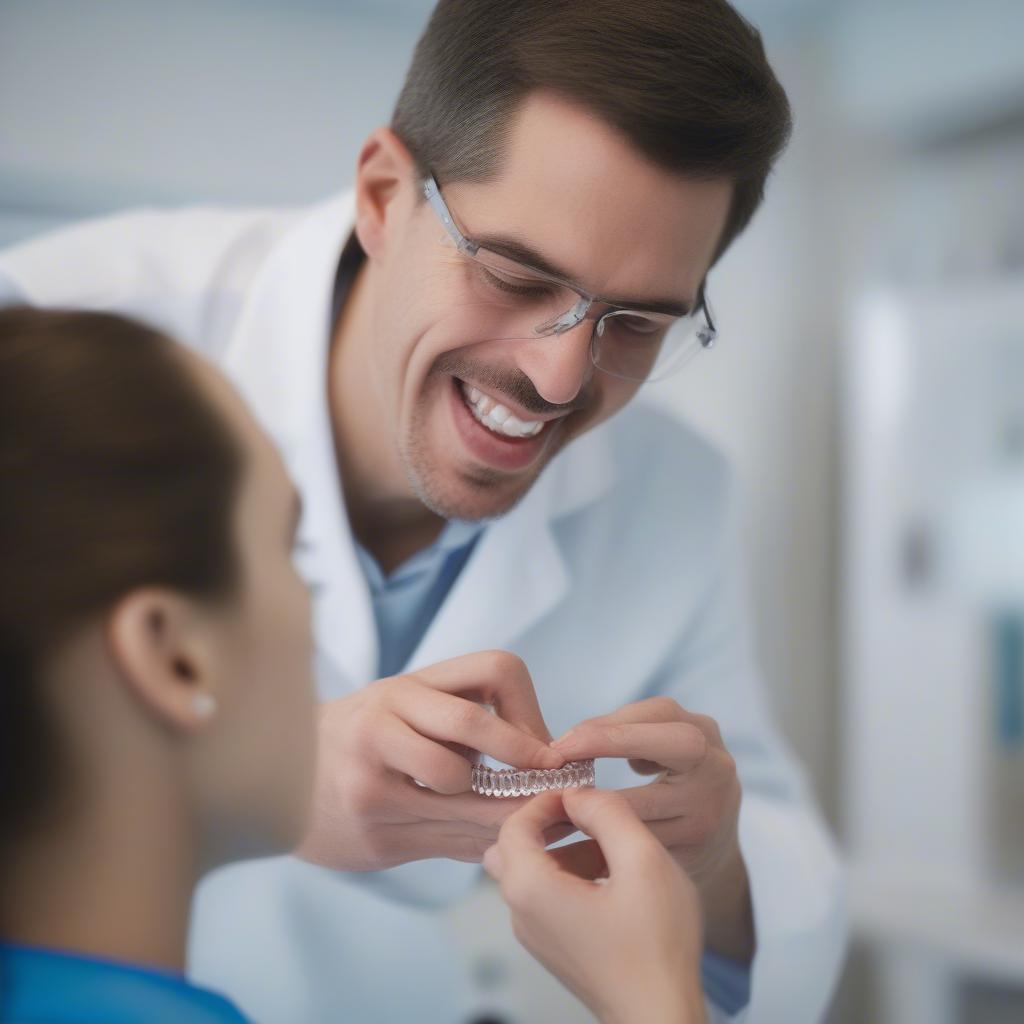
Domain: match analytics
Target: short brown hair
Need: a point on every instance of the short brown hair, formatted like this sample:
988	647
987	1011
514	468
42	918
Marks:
687	81
117	473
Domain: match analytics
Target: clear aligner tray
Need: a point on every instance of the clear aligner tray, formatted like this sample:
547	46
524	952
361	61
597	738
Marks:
502	782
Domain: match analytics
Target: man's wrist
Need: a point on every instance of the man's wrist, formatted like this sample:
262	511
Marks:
728	911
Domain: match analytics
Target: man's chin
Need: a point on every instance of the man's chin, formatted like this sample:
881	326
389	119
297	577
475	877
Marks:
470	495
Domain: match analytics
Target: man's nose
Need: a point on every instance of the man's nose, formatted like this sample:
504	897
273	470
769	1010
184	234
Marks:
558	365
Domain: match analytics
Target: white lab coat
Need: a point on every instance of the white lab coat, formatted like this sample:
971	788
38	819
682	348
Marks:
614	579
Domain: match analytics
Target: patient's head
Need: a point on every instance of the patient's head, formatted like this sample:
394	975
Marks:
154	636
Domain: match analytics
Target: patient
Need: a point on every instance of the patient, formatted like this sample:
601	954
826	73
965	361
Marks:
157	705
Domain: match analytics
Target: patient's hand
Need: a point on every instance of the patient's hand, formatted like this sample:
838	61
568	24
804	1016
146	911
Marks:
628	945
692	806
369	813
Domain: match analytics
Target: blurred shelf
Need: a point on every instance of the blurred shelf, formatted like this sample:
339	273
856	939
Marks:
974	929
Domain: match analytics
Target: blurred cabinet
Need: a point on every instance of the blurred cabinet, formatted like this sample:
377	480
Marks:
934	427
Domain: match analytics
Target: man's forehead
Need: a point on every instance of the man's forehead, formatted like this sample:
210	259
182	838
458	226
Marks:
575	191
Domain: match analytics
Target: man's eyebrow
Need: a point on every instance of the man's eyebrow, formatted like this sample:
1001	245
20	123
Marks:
514	249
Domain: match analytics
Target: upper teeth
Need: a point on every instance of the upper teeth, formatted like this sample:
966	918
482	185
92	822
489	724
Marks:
496	417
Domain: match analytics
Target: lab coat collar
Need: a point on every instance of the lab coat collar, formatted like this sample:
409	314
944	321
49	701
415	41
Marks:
278	357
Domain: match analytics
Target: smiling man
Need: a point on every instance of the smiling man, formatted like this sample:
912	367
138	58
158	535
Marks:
449	358
497	356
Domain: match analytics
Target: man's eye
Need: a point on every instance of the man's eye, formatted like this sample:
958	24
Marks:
516	286
635	326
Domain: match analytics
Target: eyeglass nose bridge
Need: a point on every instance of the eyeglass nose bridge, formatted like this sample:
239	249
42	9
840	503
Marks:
585	308
568	320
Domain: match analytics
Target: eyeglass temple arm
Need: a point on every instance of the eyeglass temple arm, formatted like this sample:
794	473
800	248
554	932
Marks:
432	194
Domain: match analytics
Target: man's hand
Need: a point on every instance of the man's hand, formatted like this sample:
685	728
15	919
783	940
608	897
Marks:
394	762
692	807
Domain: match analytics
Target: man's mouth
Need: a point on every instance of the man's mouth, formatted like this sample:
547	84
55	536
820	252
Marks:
496	417
494	435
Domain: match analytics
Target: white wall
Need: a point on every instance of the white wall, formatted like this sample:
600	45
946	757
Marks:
107	102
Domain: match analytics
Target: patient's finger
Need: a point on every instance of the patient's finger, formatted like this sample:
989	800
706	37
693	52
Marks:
608	817
583	859
522	842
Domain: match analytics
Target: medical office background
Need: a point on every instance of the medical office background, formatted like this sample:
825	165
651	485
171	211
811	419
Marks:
868	386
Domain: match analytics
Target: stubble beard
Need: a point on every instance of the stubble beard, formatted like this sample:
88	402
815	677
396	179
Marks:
471	494
475	492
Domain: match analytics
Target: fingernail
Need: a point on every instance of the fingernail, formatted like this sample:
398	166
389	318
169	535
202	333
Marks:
492	861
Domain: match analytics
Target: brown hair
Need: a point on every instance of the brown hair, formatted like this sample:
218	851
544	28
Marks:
687	81
117	472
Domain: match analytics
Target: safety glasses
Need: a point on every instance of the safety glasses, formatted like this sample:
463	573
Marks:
505	299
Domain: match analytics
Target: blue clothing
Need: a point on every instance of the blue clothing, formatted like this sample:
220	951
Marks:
405	602
726	982
44	986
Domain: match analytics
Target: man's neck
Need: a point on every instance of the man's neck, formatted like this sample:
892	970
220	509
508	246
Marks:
385	518
392	544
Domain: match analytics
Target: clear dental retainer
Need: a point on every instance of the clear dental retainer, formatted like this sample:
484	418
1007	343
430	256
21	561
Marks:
503	782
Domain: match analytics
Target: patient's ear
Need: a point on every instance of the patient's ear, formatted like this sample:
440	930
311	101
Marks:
161	652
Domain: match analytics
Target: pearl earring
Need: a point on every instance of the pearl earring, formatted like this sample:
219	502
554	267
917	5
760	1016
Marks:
204	705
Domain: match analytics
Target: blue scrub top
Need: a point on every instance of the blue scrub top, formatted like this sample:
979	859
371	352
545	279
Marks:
45	986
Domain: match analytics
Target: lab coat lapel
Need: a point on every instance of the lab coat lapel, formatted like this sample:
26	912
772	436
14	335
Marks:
278	358
514	578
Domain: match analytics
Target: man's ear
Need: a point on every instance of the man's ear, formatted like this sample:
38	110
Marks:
157	647
384	172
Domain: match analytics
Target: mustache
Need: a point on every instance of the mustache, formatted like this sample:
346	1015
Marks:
513	383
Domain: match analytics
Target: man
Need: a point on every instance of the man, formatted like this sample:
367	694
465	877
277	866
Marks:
448	359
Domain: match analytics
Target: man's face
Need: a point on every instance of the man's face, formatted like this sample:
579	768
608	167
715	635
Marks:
573	192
